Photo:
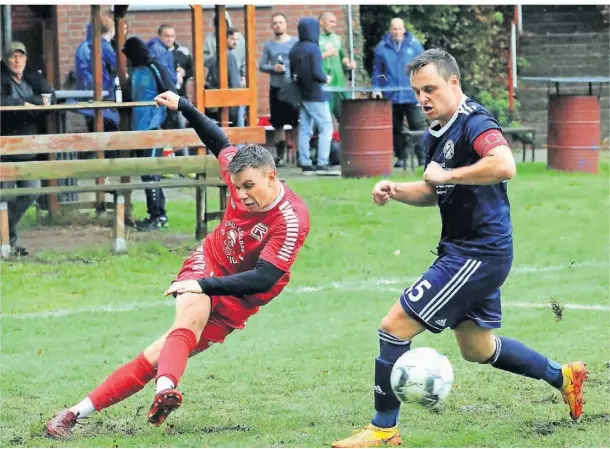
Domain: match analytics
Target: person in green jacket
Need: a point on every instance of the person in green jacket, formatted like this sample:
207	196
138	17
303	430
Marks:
334	60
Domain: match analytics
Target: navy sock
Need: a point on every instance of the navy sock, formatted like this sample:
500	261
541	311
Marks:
513	356
387	406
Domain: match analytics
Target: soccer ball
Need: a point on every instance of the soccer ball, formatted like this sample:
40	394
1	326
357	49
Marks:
422	376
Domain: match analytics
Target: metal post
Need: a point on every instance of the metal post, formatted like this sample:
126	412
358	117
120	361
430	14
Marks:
513	52
350	26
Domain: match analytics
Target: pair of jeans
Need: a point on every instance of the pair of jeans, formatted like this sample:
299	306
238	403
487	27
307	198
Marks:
416	122
318	113
155	198
18	206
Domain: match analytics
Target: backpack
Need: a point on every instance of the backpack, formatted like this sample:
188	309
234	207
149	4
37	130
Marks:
164	84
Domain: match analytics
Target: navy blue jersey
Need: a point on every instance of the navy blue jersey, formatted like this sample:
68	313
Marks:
475	218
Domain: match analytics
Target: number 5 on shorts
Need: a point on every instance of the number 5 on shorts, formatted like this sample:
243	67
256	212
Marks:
416	291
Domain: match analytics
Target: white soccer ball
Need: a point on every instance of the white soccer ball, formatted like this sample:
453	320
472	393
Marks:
422	376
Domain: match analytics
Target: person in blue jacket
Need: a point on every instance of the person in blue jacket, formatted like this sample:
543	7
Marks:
149	78
83	71
158	50
396	49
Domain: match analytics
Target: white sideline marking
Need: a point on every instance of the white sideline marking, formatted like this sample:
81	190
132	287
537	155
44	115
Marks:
384	285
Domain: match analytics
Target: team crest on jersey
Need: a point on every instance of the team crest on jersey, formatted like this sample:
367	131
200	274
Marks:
259	231
448	149
233	246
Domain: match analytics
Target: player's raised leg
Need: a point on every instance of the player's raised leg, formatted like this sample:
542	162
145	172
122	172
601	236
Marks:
118	386
395	334
192	314
480	345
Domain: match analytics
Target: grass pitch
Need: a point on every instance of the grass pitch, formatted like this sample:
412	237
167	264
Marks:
301	373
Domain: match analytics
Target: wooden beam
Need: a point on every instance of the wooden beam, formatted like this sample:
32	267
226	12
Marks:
121	140
108	188
119	26
96	60
229	97
198	68
51	62
121	68
250	34
222	58
221	48
31	170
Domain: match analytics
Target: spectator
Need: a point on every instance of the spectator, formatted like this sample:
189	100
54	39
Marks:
83	70
396	49
209	49
306	66
159	49
183	66
20	86
210	59
213	80
275	61
335	60
149	78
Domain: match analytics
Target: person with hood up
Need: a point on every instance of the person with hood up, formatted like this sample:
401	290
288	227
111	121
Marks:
83	71
396	49
306	63
149	78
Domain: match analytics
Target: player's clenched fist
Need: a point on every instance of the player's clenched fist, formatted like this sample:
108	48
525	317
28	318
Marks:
168	99
383	192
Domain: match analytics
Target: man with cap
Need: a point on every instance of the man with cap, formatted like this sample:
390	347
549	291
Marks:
20	86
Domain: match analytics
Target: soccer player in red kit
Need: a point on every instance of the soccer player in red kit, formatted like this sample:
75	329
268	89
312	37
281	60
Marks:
238	268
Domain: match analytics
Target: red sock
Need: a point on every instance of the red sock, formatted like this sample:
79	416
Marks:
174	354
122	383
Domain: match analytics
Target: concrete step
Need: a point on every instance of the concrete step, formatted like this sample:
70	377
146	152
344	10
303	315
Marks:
543	16
561	39
597	48
553	9
569	69
563	27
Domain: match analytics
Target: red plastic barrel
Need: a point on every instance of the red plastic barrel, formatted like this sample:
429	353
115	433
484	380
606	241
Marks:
573	133
366	138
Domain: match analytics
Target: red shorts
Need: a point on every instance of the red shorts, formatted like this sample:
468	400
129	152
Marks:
228	312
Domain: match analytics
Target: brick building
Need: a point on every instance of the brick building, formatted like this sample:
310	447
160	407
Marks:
143	21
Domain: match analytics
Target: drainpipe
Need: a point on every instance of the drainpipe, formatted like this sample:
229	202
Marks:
7	34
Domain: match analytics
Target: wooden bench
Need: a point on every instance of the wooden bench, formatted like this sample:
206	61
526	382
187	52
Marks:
526	136
206	168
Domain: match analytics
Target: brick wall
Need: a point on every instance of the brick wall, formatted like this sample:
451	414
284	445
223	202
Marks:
73	19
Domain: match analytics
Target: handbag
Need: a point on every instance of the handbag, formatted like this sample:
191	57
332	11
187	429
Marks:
290	93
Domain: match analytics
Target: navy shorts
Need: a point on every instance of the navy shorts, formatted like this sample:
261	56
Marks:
456	289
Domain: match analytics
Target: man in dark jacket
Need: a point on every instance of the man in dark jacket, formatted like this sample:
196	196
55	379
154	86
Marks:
306	63
20	86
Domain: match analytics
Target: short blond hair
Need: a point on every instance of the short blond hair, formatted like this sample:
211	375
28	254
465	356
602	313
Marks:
107	22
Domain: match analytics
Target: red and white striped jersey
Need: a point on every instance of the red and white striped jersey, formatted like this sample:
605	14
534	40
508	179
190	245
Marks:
275	234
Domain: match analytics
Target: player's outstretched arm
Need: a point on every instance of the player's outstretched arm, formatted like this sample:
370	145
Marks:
211	135
258	280
416	193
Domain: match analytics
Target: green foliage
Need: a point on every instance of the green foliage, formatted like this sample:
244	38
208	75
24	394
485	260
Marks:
478	37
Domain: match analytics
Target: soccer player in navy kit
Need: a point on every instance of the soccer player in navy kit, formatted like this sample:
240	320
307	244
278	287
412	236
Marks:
468	164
